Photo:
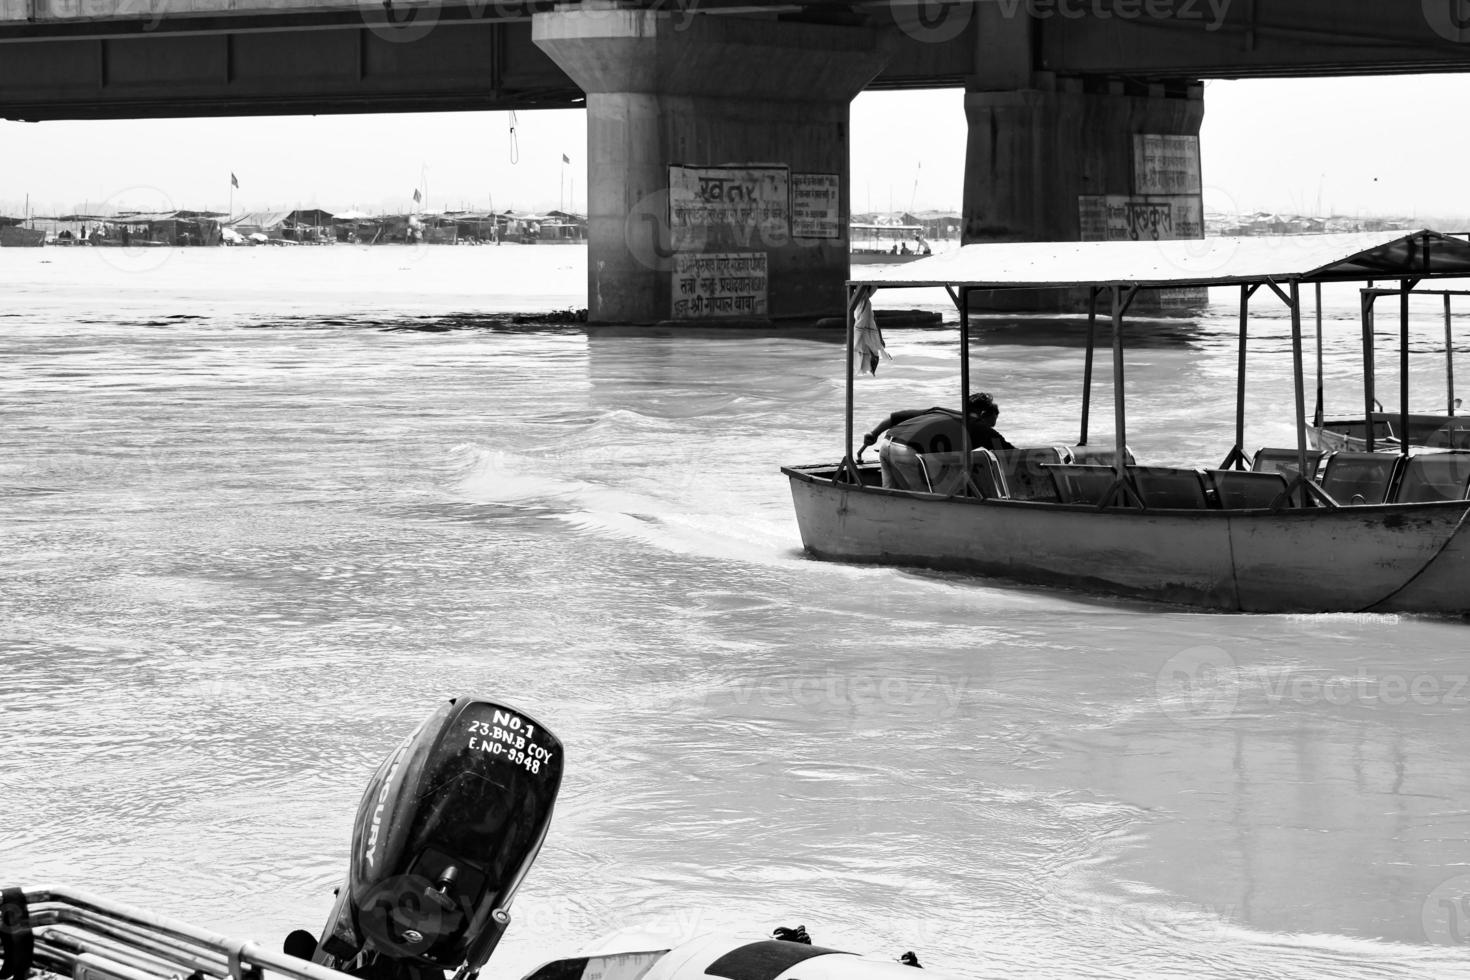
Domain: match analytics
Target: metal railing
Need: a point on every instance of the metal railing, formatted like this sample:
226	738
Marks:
79	935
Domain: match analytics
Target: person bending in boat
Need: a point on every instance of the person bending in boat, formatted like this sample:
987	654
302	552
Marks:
931	430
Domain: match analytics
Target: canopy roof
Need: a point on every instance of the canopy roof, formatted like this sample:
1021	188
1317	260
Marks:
273	219
152	217
1190	262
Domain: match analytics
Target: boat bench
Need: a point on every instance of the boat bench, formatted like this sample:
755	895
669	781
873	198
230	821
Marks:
1159	487
1170	487
1027	468
1248	489
1284	461
1032	473
1080	483
1356	478
1434	476
1174	487
945	473
1024	470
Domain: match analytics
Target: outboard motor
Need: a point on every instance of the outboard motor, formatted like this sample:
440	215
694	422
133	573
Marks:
448	827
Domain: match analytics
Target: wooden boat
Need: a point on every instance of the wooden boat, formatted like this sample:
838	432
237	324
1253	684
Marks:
1236	537
874	244
1425	431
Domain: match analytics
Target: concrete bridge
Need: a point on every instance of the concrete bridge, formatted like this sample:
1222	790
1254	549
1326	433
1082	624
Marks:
717	129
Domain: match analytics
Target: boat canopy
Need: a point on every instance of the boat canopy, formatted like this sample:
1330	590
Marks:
1190	262
868	226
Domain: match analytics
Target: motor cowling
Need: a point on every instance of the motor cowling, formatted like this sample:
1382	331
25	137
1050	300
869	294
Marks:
445	832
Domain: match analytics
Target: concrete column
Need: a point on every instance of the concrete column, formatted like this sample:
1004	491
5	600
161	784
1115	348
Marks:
667	88
1057	160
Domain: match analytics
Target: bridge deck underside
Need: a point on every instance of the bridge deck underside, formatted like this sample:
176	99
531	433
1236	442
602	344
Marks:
80	59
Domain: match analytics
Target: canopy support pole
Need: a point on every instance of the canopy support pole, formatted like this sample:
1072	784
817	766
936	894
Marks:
969	486
847	471
1121	489
1404	367
1368	393
1092	292
1299	392
1317	412
1449	360
1236	458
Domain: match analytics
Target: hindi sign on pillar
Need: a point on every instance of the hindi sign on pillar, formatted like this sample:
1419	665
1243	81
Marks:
729	207
1165	164
1139	217
719	284
814	206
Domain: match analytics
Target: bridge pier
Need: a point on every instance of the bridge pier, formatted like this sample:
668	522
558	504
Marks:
1063	159
717	159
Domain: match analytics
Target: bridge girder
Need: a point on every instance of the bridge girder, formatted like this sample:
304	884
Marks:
94	59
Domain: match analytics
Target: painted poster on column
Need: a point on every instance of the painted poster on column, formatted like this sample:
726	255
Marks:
719	284
1140	218
814	206
729	207
1165	164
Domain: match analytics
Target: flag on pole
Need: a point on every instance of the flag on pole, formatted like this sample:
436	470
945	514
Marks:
234	181
565	158
416	196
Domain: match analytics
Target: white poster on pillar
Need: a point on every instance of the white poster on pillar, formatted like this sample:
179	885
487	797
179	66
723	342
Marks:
713	208
815	206
1139	218
1165	164
719	284
1146	218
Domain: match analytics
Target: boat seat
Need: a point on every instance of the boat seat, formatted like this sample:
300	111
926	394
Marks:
1360	478
1024	471
1100	455
1248	489
1169	487
1284	461
1079	483
945	474
1434	476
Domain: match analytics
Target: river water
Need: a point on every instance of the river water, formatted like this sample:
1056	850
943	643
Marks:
262	509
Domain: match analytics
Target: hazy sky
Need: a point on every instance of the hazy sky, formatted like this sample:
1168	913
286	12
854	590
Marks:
1391	145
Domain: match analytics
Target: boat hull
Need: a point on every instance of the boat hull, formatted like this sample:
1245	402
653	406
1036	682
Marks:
882	258
1397	557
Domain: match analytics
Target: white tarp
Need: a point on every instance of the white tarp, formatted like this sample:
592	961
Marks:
1191	262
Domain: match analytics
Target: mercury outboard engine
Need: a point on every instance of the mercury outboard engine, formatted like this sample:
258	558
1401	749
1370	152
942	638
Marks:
448	827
